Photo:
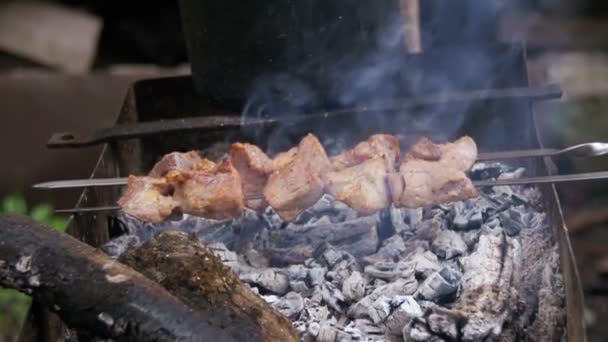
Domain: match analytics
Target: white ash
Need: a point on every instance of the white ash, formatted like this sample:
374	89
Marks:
481	269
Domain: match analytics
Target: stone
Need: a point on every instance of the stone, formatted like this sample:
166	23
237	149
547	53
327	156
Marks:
448	245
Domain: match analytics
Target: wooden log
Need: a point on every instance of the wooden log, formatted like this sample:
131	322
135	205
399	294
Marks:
185	267
94	293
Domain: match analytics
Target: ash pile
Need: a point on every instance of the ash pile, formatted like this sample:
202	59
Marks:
481	269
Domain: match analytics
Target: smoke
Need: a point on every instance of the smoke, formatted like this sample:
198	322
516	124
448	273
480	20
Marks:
341	65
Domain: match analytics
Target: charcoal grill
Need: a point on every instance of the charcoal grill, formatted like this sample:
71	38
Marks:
499	124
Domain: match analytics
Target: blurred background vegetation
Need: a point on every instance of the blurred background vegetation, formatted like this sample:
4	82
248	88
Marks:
14	305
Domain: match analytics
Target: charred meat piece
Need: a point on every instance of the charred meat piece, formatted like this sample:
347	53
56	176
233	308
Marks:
147	199
363	187
298	185
253	166
175	161
214	193
378	145
421	183
460	154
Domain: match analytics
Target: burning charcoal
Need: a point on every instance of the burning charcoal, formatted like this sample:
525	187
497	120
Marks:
448	245
486	296
268	280
400	287
316	275
417	331
389	271
467	214
391	249
297	243
380	309
220	250
431	227
313	329
470	238
290	305
255	258
402	316
327	333
513	220
314	312
424	264
332	296
354	287
368	328
297	272
300	287
329	255
488	170
440	286
443	325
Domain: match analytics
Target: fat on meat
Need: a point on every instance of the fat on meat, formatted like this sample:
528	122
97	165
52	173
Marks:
175	161
253	166
298	184
147	198
363	187
214	193
378	145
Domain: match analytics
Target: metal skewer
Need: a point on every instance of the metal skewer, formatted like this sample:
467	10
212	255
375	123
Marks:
593	149
483	183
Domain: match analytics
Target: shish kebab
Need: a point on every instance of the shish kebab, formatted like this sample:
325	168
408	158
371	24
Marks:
370	177
592	149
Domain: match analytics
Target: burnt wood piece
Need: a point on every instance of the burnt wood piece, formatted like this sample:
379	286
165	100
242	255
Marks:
94	293
226	121
186	268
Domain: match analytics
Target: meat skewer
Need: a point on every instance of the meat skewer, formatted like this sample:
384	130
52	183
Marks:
586	150
363	177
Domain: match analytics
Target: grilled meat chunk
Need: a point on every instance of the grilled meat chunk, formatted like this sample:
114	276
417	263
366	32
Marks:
215	193
284	158
378	145
253	166
175	161
460	154
421	183
147	199
298	184
363	187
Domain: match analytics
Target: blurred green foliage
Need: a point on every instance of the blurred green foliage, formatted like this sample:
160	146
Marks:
14	305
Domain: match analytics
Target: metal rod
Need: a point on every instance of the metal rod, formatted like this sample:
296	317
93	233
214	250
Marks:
223	121
577	177
593	149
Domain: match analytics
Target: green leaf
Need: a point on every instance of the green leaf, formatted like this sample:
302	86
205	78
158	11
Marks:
59	223
14	204
42	213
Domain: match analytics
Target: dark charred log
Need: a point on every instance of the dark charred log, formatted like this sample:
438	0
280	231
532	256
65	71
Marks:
94	293
185	267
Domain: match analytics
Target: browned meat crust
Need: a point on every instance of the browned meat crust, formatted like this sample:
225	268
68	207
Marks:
363	187
298	184
378	145
460	154
215	193
253	166
434	174
147	198
175	161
